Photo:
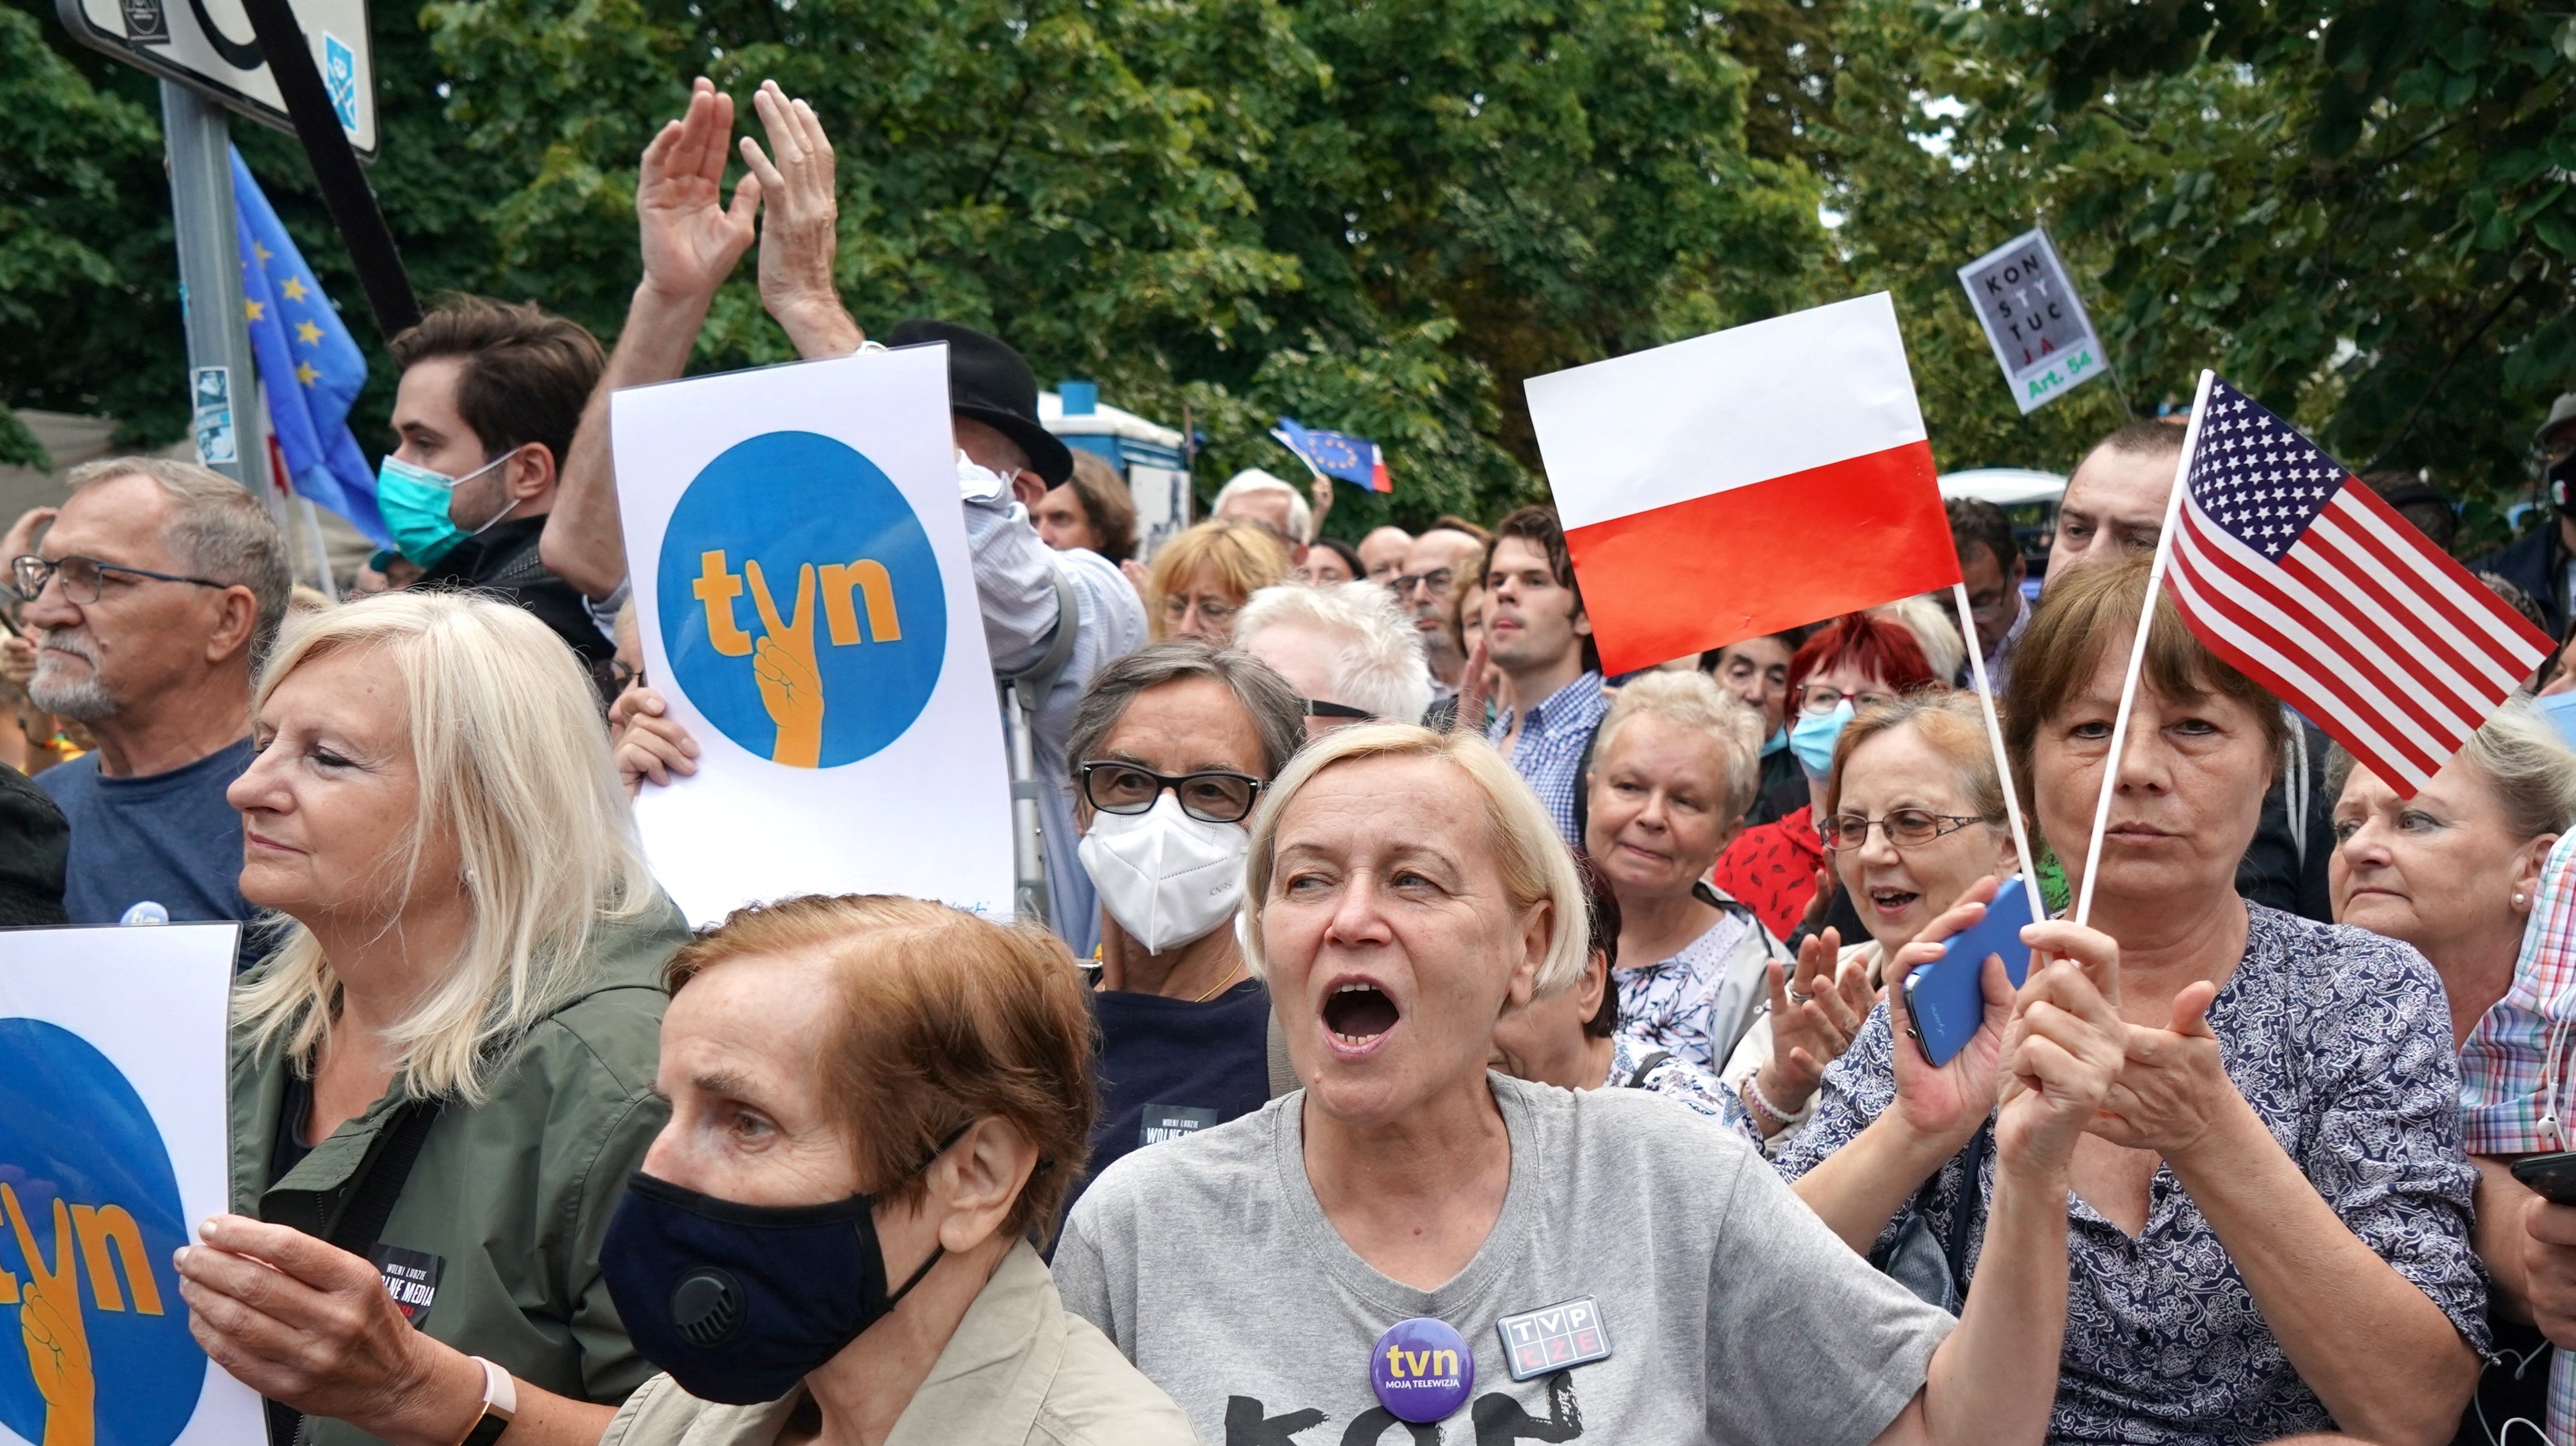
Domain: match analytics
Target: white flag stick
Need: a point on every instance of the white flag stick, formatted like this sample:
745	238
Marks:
1995	738
2138	649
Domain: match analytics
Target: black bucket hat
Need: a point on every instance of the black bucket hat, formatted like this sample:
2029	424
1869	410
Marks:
993	384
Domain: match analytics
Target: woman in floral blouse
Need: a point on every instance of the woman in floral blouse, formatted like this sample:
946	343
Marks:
2270	1216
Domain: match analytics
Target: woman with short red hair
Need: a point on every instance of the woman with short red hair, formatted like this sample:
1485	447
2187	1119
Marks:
1848	665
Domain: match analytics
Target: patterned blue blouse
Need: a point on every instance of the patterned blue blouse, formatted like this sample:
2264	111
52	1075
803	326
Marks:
2341	1041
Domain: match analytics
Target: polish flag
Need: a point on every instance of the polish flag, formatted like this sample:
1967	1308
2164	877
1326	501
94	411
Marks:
1743	482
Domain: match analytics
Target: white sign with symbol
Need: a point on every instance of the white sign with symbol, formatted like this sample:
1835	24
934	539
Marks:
2041	336
208	45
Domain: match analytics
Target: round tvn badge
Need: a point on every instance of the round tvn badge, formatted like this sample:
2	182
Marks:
1422	1370
89	1218
801	605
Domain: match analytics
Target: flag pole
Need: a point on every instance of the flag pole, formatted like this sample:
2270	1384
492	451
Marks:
2003	764
2138	647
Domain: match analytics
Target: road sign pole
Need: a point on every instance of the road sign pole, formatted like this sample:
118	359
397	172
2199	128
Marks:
221	374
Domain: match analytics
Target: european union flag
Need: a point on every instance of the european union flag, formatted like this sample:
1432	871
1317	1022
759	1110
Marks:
1355	460
310	368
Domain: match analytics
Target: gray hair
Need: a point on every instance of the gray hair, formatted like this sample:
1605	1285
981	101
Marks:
1377	652
1301	513
221	532
1693	701
1276	714
2521	756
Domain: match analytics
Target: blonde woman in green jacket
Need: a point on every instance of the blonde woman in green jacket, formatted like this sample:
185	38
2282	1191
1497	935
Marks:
443	1077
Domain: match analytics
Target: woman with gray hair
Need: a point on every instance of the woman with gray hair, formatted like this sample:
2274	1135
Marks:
1413	1238
1171	748
443	1076
2452	870
1346	648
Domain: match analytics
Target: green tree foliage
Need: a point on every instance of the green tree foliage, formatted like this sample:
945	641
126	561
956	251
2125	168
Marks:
1383	215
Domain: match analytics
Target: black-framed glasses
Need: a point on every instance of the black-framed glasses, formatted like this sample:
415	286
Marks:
1318	708
1437	579
1214	796
82	577
1906	828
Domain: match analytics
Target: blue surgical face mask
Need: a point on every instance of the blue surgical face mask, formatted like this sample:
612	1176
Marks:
414	501
740	1302
1778	740
1814	737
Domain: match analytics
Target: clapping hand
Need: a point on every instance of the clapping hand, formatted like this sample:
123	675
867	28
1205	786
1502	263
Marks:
2173	1088
691	240
1814	1014
801	226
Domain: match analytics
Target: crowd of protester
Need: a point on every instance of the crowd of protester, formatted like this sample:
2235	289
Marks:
1397	964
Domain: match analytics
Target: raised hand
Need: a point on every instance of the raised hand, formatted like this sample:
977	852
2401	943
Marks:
51	1328
801	227
1814	1015
791	685
1471	692
691	240
2063	1050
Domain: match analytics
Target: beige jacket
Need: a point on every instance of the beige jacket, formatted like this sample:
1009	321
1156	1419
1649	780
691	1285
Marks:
1018	1372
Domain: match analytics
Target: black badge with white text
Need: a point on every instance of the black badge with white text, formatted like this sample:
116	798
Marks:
411	1278
1170	1122
1553	1337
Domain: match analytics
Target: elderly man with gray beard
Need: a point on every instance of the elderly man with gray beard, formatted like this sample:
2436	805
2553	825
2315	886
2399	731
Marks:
149	601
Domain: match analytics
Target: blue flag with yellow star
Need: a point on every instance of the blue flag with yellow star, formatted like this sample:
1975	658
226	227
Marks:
309	367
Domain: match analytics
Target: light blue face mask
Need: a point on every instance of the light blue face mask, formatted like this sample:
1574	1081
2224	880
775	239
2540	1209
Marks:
414	501
1778	740
1814	737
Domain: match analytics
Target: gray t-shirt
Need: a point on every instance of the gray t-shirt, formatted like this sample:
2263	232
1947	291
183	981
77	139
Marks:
1733	1314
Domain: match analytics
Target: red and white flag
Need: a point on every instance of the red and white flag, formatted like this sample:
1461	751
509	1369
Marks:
2292	570
1743	482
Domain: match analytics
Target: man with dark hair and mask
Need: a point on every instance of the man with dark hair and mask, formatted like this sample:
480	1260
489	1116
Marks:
2542	560
1172	746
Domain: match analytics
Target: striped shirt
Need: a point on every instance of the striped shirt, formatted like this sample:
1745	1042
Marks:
1549	752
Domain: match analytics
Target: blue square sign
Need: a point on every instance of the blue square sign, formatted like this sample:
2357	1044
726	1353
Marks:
340	77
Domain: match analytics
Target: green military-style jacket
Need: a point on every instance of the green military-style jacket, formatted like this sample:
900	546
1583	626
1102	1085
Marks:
512	1196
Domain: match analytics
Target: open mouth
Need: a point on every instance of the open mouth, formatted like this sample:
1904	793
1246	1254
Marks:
1892	901
1357	1013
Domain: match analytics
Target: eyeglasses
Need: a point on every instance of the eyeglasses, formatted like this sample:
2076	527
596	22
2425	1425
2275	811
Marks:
1437	580
82	577
1318	708
1906	828
1816	700
1211	610
1214	796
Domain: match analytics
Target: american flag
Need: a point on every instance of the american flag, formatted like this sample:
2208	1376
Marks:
2292	570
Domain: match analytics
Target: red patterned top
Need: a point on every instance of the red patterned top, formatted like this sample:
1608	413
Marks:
1772	868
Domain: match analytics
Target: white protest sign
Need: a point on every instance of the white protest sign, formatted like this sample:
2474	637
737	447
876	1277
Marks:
113	1146
807	608
2035	321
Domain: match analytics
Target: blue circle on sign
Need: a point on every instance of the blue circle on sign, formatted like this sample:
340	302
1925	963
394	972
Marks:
88	1222
1422	1370
801	605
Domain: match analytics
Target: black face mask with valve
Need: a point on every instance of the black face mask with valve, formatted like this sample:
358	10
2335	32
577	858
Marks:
740	1302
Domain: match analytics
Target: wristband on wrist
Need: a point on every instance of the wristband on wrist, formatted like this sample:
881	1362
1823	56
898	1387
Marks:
1773	1118
500	1405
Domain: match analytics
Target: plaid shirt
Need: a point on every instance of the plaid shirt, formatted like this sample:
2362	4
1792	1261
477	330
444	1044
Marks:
1550	749
2514	1068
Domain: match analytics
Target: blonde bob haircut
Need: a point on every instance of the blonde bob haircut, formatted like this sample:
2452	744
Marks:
507	742
1532	857
1244	558
1694	702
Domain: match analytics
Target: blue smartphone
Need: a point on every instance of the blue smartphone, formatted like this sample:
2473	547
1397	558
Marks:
1943	998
